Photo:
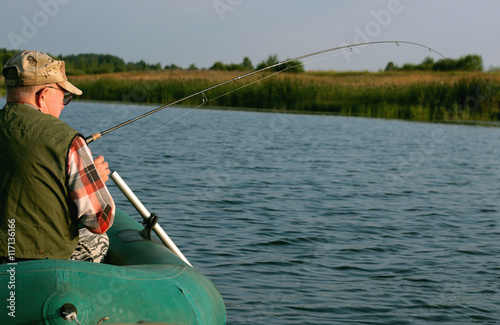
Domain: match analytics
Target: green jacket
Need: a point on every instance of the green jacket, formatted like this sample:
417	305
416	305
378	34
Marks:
34	199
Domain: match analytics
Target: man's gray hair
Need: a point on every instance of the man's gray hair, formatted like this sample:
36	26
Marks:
18	93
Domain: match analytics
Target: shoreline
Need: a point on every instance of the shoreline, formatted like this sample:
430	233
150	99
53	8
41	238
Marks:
275	111
449	97
298	112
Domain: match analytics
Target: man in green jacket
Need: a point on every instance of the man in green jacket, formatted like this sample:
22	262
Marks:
53	199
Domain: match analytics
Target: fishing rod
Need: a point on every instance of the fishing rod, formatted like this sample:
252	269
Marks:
96	136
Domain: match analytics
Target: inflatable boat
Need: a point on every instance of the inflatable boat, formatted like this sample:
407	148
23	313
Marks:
140	281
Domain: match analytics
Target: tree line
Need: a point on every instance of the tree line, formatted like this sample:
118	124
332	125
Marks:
90	63
472	62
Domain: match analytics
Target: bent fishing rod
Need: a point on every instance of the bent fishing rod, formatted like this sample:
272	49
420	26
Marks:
96	136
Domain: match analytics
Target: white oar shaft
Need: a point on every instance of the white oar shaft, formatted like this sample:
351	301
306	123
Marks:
120	183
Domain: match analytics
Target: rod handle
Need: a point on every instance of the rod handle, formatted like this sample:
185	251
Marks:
92	138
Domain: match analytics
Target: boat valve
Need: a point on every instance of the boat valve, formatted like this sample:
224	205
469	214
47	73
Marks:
68	312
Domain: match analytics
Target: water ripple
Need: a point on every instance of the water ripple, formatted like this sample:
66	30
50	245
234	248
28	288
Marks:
320	219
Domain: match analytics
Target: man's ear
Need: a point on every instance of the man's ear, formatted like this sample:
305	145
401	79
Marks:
40	100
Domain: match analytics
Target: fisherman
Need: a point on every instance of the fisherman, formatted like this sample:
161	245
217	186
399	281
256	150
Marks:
53	199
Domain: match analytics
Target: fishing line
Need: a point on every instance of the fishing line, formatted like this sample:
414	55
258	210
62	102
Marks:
205	100
349	47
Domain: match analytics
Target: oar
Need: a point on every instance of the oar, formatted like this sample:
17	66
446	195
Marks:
120	183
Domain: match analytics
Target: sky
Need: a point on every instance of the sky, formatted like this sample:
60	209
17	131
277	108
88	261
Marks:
201	32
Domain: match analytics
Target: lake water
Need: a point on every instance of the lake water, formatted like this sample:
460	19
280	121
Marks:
303	219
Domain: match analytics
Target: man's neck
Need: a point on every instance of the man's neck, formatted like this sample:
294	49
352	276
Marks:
27	104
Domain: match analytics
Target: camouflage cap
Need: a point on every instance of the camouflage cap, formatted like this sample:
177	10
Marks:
33	68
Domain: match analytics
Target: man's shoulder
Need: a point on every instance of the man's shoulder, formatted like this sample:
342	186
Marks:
26	116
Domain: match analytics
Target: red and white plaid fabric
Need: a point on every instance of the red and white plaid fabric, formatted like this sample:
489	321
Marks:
95	206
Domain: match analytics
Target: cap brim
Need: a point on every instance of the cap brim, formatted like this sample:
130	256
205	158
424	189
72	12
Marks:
69	87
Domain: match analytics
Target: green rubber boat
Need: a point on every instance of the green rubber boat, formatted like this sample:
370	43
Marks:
141	281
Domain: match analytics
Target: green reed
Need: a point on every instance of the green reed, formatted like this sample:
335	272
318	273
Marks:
466	98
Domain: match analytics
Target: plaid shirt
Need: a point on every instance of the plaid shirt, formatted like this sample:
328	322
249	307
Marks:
95	206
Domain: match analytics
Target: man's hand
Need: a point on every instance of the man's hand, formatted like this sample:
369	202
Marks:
102	168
